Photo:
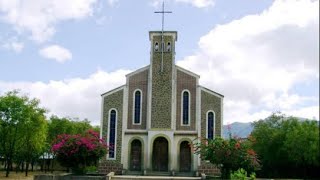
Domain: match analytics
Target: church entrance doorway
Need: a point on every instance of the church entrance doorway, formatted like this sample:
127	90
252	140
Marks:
185	157
160	154
136	150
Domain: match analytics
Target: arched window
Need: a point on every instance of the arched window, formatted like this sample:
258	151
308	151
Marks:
156	46
185	107
137	107
210	124
112	133
169	47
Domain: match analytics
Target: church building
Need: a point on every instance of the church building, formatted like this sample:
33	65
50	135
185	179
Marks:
150	121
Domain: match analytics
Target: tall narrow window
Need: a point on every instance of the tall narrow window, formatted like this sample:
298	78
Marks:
210	124
185	107
156	46
112	133
169	47
137	107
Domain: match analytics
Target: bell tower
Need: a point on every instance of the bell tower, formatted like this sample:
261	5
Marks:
162	56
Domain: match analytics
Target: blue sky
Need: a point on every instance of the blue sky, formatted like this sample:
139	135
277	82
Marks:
262	55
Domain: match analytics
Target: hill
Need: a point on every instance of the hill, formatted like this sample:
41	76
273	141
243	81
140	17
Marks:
237	129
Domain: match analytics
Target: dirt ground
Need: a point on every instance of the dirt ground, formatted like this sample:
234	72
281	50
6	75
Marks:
19	176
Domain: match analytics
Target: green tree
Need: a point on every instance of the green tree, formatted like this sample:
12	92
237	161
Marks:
59	126
20	127
287	147
32	143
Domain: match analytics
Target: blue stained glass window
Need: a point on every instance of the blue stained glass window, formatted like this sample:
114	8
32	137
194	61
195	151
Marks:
137	107
210	125
112	133
185	108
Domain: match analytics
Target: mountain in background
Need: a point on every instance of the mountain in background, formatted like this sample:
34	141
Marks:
237	129
243	130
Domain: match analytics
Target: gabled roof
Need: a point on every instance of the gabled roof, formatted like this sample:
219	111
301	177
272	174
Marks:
138	71
211	92
188	72
113	91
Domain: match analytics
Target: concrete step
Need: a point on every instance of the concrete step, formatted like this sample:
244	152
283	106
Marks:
158	173
185	174
136	173
128	177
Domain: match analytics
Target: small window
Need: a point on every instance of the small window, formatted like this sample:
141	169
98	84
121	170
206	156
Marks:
137	107
185	107
169	47
210	123
156	46
112	133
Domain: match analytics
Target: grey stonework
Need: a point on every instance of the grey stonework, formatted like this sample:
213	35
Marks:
186	81
161	88
115	101
138	81
210	102
164	113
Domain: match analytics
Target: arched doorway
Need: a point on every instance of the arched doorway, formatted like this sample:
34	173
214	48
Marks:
136	151
185	157
160	154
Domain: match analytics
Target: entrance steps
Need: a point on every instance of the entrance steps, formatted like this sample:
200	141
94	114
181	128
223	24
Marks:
153	175
132	177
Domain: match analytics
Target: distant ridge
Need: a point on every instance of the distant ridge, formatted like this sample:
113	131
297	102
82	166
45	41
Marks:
238	129
243	130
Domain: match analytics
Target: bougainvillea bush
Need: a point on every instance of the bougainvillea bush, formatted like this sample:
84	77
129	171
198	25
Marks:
78	151
229	154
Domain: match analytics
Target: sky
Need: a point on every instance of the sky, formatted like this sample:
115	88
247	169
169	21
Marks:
263	56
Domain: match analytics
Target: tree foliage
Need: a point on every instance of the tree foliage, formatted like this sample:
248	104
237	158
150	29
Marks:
229	154
22	128
287	147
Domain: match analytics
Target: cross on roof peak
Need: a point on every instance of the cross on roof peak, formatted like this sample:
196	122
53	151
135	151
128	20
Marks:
162	12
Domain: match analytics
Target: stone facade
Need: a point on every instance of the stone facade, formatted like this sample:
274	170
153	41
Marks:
161	87
114	100
210	101
160	141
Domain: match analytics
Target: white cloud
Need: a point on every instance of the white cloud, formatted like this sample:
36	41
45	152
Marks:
196	3
39	17
112	2
77	97
56	52
255	60
14	45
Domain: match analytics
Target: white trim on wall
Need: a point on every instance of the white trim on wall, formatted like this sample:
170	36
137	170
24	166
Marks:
101	116
189	108
137	71
174	99
116	133
124	118
214	123
221	120
211	92
133	107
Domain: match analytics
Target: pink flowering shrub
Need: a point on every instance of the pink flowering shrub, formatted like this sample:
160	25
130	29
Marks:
229	155
78	151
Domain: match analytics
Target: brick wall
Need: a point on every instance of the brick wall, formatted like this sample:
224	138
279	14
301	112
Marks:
106	167
138	81
209	169
186	81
